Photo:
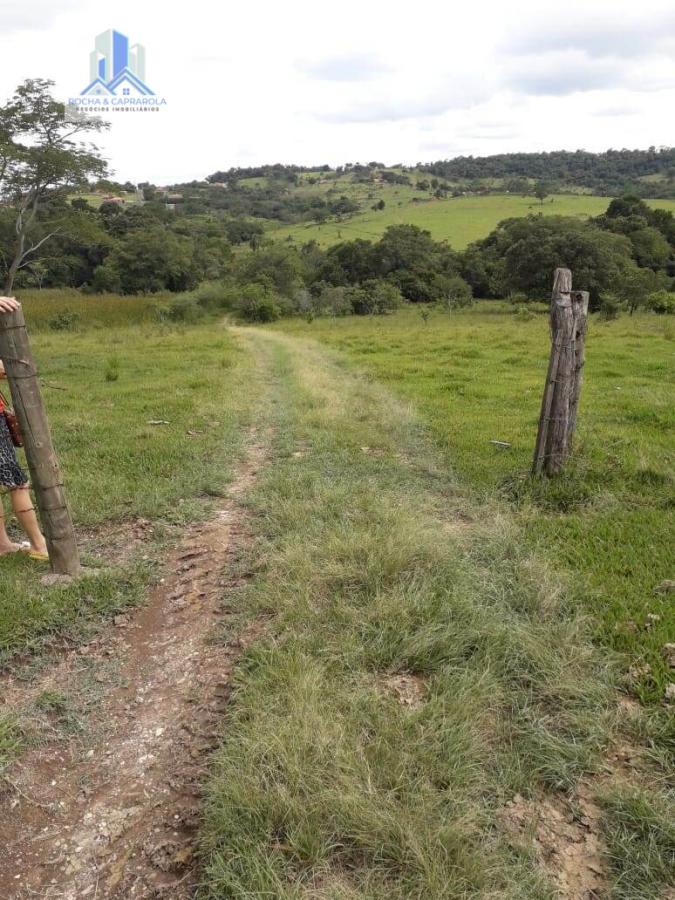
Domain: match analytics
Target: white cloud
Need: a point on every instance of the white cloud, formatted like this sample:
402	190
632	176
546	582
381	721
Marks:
267	82
597	34
34	16
562	72
352	67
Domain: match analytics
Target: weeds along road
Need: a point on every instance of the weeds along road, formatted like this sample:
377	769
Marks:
353	682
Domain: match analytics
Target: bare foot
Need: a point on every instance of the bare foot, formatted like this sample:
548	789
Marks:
6	549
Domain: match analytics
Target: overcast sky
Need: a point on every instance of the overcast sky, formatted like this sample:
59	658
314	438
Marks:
312	82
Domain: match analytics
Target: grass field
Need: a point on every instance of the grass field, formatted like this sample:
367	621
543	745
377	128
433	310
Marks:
459	220
477	376
431	645
68	309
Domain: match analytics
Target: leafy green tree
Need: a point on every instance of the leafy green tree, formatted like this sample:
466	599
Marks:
40	156
522	254
408	257
456	293
650	248
635	287
541	190
257	303
651	231
347	263
150	260
332	301
374	298
662	302
280	266
343	206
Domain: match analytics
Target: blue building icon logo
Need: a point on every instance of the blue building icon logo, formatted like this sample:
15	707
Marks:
115	68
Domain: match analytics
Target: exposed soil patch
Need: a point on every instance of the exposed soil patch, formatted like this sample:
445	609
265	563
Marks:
409	690
113	813
117	544
565	838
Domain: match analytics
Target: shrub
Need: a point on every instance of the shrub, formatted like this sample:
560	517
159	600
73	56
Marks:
518	298
112	369
609	307
184	308
257	304
105	280
456	292
523	313
375	298
214	295
333	301
64	321
662	302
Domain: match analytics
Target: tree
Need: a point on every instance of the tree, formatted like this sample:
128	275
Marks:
374	298
40	157
541	190
456	293
636	286
149	260
662	302
279	266
520	254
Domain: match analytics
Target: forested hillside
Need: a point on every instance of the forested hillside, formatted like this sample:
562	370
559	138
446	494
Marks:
614	171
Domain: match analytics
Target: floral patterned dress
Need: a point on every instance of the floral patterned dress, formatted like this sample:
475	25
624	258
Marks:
11	474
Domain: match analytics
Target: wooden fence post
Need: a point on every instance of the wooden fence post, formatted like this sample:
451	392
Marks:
557	421
21	372
580	311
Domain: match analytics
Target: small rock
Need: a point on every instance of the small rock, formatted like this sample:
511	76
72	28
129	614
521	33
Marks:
666	587
669	654
670	693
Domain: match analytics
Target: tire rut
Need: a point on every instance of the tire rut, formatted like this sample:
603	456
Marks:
114	813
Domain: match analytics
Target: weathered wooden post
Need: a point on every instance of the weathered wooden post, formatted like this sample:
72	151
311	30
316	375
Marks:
557	421
21	372
580	300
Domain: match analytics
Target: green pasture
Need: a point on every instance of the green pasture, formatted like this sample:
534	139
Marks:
146	419
477	376
458	220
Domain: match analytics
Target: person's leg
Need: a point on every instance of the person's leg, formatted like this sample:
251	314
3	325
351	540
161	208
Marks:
25	513
6	546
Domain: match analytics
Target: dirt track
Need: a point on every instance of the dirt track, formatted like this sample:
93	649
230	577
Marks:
113	812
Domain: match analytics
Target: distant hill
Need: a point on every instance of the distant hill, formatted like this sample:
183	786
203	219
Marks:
458	200
647	173
644	172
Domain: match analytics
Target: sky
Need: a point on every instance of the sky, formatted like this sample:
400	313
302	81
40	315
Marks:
312	83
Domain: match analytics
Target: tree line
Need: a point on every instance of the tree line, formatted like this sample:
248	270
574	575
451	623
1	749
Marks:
609	173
